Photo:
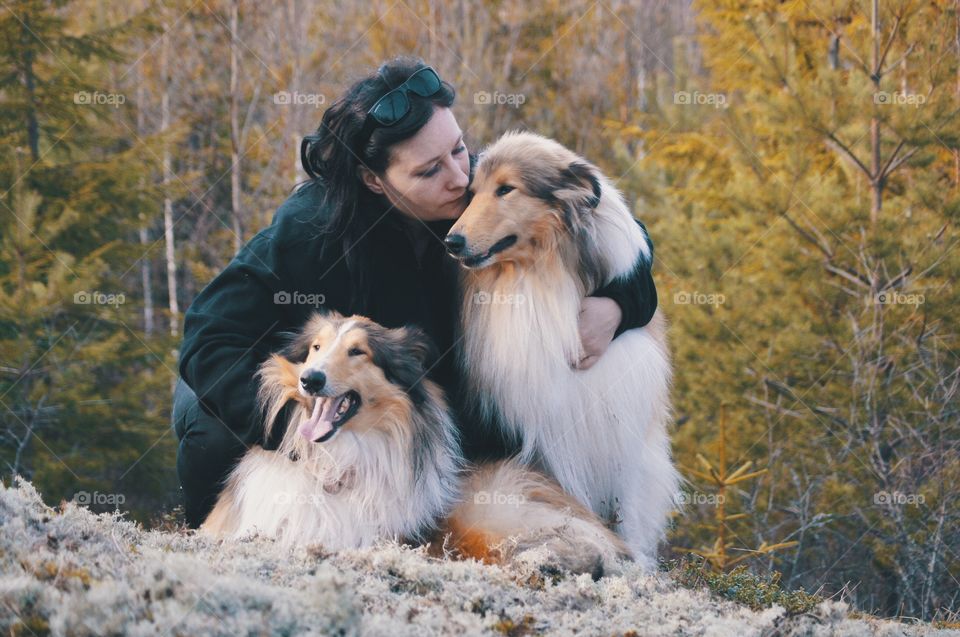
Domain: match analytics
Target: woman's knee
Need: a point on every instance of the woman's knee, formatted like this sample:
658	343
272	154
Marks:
207	445
207	452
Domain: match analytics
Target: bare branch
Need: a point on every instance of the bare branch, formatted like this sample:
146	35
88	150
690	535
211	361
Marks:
886	48
838	146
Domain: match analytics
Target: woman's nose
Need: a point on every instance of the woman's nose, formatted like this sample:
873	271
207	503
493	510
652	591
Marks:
460	179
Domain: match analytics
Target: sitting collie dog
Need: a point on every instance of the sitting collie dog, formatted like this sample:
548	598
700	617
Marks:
371	452
543	230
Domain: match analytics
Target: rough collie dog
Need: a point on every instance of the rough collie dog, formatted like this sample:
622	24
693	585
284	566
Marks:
543	230
371	452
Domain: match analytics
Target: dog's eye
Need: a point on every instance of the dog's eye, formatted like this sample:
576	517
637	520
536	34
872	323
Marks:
504	189
355	351
316	348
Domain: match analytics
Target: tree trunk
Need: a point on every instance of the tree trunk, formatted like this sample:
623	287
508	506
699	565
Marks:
145	266
33	128
167	174
876	180
293	124
235	140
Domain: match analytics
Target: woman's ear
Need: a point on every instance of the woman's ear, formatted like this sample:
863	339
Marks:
370	180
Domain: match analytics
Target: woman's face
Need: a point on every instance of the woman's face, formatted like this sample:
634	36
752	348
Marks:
428	174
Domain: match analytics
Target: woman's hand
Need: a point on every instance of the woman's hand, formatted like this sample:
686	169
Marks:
599	319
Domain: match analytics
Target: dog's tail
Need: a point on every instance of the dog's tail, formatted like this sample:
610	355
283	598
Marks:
508	509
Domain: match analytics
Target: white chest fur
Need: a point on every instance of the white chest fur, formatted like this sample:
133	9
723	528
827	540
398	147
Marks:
582	424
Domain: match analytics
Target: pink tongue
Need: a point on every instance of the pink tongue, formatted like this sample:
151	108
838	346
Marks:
320	422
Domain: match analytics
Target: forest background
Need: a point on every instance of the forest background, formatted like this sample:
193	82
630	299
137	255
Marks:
797	163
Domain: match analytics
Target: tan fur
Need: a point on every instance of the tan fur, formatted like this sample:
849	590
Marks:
357	372
508	508
489	218
220	520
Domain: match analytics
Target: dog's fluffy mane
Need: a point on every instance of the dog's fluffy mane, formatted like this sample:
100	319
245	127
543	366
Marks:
406	469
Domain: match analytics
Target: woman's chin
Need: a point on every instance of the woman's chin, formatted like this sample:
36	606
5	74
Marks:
455	209
446	213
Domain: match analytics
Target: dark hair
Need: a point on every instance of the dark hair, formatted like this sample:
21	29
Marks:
334	154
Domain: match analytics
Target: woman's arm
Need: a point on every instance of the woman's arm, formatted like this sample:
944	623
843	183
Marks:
626	302
635	292
236	321
229	330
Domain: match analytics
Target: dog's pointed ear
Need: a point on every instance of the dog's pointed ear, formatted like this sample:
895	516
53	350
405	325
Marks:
579	186
418	344
404	354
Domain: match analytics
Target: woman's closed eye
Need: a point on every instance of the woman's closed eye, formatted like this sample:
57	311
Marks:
436	167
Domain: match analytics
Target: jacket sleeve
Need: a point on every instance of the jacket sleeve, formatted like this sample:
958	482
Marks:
229	330
634	291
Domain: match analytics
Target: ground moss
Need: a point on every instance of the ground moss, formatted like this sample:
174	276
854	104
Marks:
743	587
35	626
516	629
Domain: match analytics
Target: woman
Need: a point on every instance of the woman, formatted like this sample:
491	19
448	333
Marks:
389	175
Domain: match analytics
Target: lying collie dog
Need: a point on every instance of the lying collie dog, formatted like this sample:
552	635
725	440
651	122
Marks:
371	452
543	230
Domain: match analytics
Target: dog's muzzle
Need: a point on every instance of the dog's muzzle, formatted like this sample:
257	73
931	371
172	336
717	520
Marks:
457	243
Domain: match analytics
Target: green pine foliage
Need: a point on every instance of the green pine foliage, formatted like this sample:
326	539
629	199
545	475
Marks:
83	392
812	291
742	586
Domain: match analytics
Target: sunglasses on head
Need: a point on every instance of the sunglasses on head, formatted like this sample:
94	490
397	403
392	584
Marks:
392	107
387	111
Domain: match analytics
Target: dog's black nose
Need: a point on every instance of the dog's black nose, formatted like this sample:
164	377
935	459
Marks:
455	243
313	381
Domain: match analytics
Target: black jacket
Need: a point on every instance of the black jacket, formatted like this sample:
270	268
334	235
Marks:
239	318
